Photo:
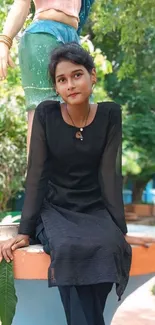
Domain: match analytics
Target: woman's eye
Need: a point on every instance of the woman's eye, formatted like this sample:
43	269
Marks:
61	80
77	75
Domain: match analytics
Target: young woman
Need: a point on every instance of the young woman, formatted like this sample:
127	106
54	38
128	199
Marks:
73	201
55	22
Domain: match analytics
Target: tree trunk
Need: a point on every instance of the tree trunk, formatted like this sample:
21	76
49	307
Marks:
125	179
138	188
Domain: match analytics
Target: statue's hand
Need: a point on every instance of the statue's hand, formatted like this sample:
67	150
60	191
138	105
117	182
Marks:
5	60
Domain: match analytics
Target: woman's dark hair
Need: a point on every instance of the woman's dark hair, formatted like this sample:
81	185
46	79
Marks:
72	52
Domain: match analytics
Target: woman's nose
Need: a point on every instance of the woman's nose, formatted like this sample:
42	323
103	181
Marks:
70	84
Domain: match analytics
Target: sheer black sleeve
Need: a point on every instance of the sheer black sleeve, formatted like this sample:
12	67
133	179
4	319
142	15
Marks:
37	175
110	174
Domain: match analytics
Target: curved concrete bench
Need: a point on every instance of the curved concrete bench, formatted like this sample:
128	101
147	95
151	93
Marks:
32	263
39	305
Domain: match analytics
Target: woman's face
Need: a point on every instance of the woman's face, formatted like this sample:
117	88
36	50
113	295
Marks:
73	82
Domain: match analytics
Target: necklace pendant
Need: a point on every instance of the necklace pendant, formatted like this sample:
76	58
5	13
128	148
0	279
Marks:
79	135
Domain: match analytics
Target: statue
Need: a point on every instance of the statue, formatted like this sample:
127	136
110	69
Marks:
55	22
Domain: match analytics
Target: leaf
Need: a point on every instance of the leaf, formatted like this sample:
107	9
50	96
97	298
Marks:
8	298
9	219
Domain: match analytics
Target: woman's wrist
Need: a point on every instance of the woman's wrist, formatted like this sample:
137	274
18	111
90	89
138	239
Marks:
23	235
6	40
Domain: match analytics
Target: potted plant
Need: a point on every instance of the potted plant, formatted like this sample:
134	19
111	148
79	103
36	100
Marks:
141	209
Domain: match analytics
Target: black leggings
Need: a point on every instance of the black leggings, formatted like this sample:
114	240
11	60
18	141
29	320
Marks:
84	305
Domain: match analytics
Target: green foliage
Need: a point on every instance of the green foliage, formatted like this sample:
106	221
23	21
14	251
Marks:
153	290
140	131
12	151
130	161
137	97
8	299
10	217
103	67
12	136
131	20
12	128
132	82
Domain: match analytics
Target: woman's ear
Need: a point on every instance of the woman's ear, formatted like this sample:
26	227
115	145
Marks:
93	76
56	92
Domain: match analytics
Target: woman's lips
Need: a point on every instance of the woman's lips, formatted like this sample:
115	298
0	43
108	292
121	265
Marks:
73	95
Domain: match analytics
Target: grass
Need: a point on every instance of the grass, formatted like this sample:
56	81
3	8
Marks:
153	290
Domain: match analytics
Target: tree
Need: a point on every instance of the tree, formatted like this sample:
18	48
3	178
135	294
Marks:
12	152
12	128
103	68
130	19
140	131
138	96
131	84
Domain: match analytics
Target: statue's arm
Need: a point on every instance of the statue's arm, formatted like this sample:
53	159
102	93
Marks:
14	22
16	17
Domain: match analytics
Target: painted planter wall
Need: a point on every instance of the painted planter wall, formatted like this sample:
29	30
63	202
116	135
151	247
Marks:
39	305
141	210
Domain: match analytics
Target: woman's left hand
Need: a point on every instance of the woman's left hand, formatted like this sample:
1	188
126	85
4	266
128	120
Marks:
140	241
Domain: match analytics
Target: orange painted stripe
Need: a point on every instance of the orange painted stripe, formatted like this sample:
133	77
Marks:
33	265
143	260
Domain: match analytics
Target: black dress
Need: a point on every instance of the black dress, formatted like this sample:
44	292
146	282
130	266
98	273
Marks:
76	188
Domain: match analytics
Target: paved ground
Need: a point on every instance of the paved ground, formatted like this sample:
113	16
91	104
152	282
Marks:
138	308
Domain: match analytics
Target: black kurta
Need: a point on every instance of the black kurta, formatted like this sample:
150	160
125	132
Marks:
76	188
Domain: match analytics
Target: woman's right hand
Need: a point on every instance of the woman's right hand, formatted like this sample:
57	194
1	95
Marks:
140	240
8	246
5	60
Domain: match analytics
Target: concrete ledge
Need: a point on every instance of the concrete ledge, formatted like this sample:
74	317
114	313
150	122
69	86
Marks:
32	263
143	260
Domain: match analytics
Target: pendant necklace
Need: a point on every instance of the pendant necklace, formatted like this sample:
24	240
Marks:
78	134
